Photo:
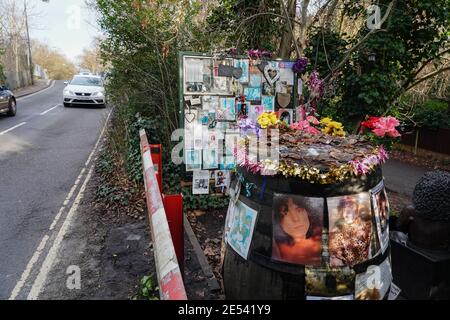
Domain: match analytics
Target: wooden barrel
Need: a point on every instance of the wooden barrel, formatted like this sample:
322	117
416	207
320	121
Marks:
260	276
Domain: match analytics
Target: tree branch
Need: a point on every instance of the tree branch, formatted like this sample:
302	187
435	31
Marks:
428	76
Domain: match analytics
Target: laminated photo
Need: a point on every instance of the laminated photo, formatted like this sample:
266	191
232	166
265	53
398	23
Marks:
252	94
200	182
350	228
204	117
212	139
380	205
297	229
197	75
226	110
210	103
233	191
244	65
254	111
210	159
286	115
242	226
286	73
255	81
222	178
374	284
193	160
269	103
329	282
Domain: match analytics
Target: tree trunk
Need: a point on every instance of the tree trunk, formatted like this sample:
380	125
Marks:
288	38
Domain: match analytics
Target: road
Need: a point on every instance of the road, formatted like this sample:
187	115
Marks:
43	157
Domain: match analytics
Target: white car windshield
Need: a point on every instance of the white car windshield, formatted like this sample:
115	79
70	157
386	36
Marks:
86	81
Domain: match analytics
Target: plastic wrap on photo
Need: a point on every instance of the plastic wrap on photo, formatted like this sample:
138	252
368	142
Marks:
297	229
255	81
244	65
234	191
252	94
350	228
380	204
210	159
269	103
193	160
200	182
374	284
222	178
329	282
242	227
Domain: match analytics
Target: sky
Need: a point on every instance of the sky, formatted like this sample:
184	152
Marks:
68	25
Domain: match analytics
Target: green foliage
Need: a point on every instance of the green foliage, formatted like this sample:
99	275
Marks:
432	115
204	202
241	24
148	289
415	32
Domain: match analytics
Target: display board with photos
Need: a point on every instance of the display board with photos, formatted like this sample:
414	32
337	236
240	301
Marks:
342	240
216	92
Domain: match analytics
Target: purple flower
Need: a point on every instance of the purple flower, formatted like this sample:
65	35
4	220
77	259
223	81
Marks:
248	124
300	65
232	51
258	54
316	86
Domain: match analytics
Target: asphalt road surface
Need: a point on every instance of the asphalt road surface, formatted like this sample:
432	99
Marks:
44	153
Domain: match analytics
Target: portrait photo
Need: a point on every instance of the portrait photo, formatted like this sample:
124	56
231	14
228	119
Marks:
350	219
297	229
381	210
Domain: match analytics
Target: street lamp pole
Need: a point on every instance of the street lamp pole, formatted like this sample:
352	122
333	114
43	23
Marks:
30	59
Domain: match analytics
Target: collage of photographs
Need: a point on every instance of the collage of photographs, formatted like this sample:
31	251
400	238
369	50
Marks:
356	234
219	91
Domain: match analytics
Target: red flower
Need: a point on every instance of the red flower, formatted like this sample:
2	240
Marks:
369	123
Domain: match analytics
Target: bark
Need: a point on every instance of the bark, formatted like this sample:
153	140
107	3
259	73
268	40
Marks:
288	36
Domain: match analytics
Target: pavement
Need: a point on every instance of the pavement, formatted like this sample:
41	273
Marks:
401	177
38	86
45	160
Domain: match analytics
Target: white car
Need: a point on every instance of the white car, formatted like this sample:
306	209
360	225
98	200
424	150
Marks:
84	90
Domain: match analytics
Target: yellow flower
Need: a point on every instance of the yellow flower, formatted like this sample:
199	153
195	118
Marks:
333	128
267	119
325	121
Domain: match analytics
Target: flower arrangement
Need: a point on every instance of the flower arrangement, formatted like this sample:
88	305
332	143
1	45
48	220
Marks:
382	126
382	130
334	128
267	119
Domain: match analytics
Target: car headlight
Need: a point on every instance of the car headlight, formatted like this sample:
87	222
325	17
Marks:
98	94
69	93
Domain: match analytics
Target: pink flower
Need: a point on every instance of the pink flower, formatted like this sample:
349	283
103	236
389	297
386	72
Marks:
386	127
316	85
313	120
304	126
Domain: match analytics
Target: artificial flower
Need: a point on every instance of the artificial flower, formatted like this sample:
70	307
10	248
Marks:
369	123
304	126
334	128
386	127
247	124
316	86
267	119
313	120
300	65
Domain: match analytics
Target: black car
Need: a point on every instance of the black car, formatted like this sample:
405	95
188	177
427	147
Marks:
7	102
